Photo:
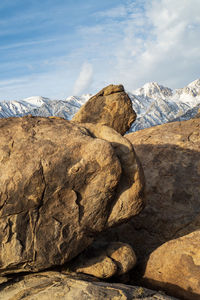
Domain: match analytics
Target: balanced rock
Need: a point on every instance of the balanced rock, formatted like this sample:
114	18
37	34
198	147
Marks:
111	107
175	267
58	189
60	286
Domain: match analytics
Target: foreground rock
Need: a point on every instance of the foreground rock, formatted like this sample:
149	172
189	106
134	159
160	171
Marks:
105	261
175	267
59	187
58	286
170	156
129	199
111	107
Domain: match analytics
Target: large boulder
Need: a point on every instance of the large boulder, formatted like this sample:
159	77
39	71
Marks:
170	156
111	107
175	267
59	187
130	196
60	286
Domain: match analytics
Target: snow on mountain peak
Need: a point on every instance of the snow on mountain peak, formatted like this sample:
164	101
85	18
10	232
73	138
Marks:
195	84
35	100
190	94
78	101
153	103
153	90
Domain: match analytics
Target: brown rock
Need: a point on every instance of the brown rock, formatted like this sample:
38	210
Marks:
101	267
123	255
111	107
57	188
59	286
130	195
105	261
175	267
170	156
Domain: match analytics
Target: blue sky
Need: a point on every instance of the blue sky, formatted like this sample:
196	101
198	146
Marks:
56	48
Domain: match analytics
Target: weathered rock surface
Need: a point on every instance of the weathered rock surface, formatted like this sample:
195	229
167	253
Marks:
111	107
175	266
170	156
58	286
105	261
58	189
130	195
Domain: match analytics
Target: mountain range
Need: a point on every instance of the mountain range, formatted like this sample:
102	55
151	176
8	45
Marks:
153	103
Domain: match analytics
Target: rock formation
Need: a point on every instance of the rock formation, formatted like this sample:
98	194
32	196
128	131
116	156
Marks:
60	286
63	183
175	267
170	156
105	261
129	199
60	186
111	107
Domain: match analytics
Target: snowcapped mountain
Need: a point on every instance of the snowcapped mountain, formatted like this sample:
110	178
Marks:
153	103
156	104
61	108
41	106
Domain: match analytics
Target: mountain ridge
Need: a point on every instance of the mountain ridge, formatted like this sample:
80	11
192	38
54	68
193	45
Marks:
154	104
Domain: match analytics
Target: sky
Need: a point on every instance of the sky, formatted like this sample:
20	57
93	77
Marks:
70	47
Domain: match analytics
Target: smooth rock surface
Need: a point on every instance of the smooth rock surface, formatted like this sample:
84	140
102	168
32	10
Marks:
58	286
58	186
111	107
175	267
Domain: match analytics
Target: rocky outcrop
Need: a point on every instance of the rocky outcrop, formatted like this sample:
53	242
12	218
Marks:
175	267
105	261
111	107
59	187
129	199
60	286
170	156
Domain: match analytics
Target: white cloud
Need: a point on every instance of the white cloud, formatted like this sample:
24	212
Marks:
153	40
84	80
166	49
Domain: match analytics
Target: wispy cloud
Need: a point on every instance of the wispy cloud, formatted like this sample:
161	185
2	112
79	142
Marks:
28	43
84	80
